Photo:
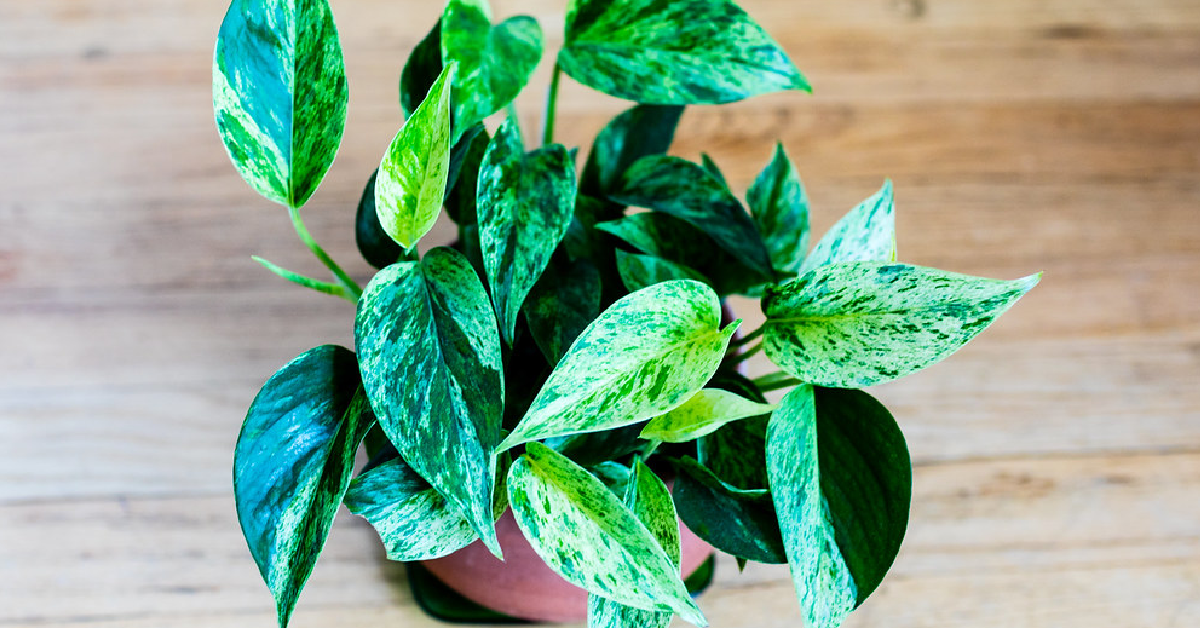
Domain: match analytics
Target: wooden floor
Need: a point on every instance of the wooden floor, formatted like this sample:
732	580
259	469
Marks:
1057	457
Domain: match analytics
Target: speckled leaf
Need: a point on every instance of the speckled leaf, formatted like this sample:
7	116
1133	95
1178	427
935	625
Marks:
779	205
738	522
646	354
279	94
412	177
650	500
737	452
866	233
703	414
494	62
637	132
430	360
292	463
713	169
841	481
462	184
565	299
864	323
525	205
639	271
673	51
590	538
687	191
422	70
373	242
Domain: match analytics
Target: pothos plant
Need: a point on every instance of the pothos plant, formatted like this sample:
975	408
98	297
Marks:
565	354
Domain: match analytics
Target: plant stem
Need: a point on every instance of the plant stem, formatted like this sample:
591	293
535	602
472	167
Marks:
748	338
511	110
337	290
551	106
775	381
316	249
738	358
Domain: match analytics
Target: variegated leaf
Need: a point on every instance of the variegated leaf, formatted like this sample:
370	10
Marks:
637	132
703	414
780	207
589	537
494	62
292	463
525	205
739	522
673	51
639	271
430	360
650	500
563	302
737	452
279	94
866	233
412	177
864	323
711	166
841	481
646	354
687	191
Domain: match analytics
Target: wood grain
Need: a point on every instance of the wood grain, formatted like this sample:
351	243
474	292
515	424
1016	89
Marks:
1058	456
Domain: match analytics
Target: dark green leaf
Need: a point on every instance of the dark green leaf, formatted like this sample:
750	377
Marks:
864	323
422	70
279	94
736	453
292	463
430	358
637	132
376	246
780	208
679	52
639	271
565	299
525	205
462	184
866	233
713	169
738	522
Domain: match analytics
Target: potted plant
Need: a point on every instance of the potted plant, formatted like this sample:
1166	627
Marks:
566	358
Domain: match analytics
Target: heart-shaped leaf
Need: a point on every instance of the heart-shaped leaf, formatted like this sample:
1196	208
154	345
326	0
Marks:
780	207
495	62
421	71
865	323
279	94
687	191
411	183
292	463
739	522
639	271
703	414
646	354
866	233
565	299
841	481
679	52
430	360
589	537
637	132
525	205
373	242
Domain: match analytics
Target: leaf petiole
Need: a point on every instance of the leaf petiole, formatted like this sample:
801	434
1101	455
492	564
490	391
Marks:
748	338
551	105
326	287
352	288
775	381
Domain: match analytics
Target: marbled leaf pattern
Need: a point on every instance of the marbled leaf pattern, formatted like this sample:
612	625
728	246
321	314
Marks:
525	203
292	464
646	354
379	249
779	205
279	94
590	538
738	522
638	271
412	177
857	324
687	191
563	302
430	359
677	52
711	166
637	132
495	62
703	414
737	452
866	233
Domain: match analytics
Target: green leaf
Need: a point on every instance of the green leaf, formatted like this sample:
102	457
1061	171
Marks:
373	242
680	52
779	205
687	191
590	538
841	481
703	414
647	353
462	184
411	182
565	299
430	359
738	522
525	205
713	169
737	452
279	94
292	463
650	500
495	62
591	448
421	71
639	271
866	233
864	323
637	132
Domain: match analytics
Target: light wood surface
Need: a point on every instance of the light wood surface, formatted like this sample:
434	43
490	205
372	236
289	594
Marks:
1057	479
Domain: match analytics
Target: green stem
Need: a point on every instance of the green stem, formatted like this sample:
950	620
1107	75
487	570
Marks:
511	110
646	452
326	287
316	249
551	106
775	381
738	358
748	338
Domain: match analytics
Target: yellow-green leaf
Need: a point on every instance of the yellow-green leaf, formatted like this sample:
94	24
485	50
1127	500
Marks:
703	414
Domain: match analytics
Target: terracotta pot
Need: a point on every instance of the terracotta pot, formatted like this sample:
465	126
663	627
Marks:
522	585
